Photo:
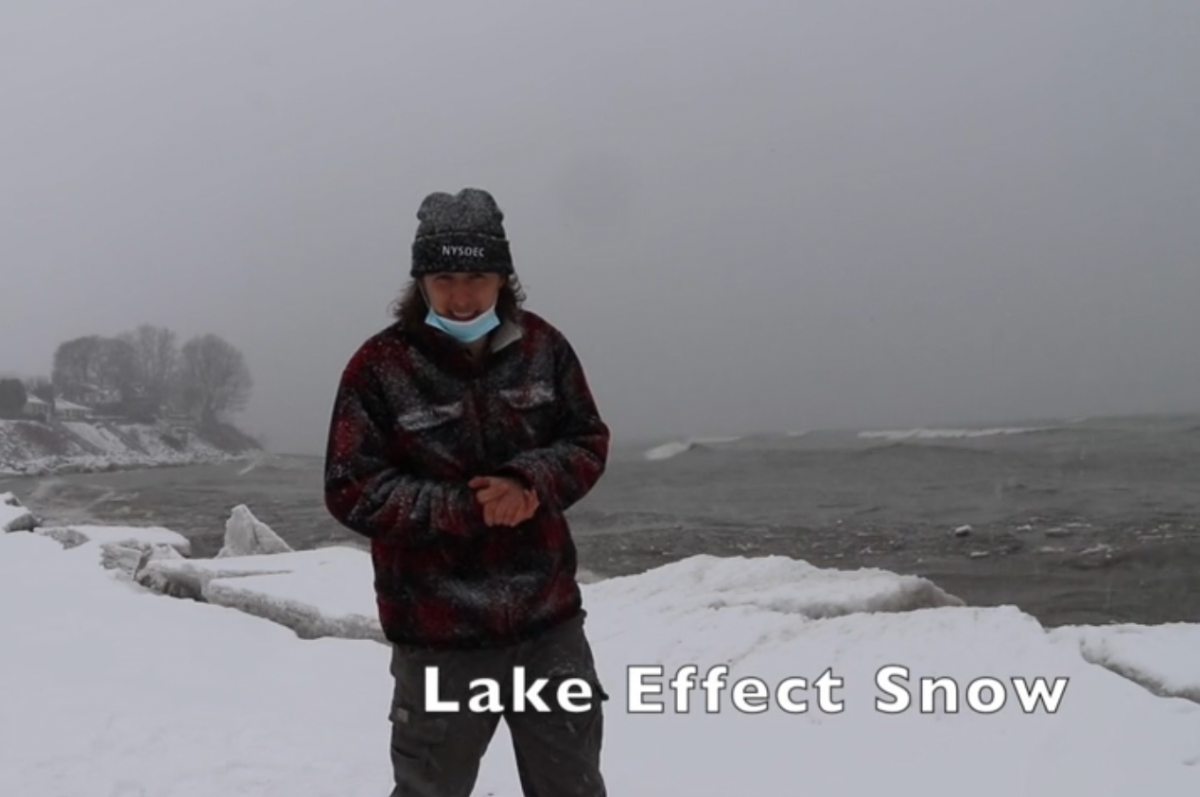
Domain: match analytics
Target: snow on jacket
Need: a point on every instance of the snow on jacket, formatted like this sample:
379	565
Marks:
414	420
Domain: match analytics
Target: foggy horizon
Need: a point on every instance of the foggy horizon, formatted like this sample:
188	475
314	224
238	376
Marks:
745	220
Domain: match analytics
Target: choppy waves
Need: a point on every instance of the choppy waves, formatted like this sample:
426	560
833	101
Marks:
675	448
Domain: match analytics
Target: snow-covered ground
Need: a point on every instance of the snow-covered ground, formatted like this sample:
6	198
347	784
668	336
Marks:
114	690
28	448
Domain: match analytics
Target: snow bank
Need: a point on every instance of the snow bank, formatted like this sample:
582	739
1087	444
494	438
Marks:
14	516
767	584
199	700
1164	659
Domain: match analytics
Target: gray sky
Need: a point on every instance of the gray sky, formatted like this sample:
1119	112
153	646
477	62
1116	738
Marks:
747	217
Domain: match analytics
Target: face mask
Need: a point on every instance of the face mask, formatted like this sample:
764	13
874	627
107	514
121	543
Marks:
465	331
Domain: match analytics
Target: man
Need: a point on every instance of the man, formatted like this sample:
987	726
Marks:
460	435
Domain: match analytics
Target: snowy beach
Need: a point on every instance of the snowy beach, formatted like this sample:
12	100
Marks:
275	686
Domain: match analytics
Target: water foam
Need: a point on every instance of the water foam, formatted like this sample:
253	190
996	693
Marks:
958	434
677	447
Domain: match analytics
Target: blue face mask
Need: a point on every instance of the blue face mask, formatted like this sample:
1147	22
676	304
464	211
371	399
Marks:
465	331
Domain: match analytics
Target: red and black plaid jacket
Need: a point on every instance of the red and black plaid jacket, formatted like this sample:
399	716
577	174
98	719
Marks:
414	420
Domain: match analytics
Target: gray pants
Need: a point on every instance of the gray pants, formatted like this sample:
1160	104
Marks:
437	754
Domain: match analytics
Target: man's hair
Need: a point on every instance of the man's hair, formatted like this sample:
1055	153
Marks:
410	309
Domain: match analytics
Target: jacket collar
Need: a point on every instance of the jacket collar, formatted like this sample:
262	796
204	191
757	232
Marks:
506	334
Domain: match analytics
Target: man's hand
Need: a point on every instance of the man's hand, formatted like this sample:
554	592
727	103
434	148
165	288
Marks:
505	501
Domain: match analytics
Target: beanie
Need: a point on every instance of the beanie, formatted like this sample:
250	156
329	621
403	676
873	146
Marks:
463	232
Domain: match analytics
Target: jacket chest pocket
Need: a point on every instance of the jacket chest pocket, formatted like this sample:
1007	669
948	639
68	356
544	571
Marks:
533	410
438	431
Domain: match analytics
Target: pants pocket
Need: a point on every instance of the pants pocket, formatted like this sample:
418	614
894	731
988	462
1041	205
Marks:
436	752
414	733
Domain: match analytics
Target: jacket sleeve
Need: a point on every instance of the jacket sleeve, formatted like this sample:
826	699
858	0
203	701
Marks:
368	493
563	473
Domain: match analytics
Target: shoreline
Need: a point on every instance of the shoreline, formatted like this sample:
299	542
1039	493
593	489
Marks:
76	466
1102	580
1066	565
1145	582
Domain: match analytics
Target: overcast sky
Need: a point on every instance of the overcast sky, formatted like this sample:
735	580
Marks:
746	216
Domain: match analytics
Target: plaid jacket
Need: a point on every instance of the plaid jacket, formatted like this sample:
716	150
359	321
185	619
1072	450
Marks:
414	420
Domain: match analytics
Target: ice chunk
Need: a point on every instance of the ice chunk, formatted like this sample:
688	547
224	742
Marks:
305	601
130	560
14	516
140	537
246	535
316	593
190	577
65	536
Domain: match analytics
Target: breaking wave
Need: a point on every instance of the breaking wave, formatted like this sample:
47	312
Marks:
674	449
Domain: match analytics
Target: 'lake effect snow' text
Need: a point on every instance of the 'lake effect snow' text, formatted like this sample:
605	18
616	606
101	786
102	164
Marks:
751	695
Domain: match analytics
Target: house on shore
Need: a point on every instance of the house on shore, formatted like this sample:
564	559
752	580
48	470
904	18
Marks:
96	396
69	411
37	408
42	410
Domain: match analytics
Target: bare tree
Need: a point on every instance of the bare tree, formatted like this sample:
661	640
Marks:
212	378
97	369
77	366
155	356
118	372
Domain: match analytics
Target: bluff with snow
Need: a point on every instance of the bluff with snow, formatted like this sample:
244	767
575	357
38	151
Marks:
36	448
